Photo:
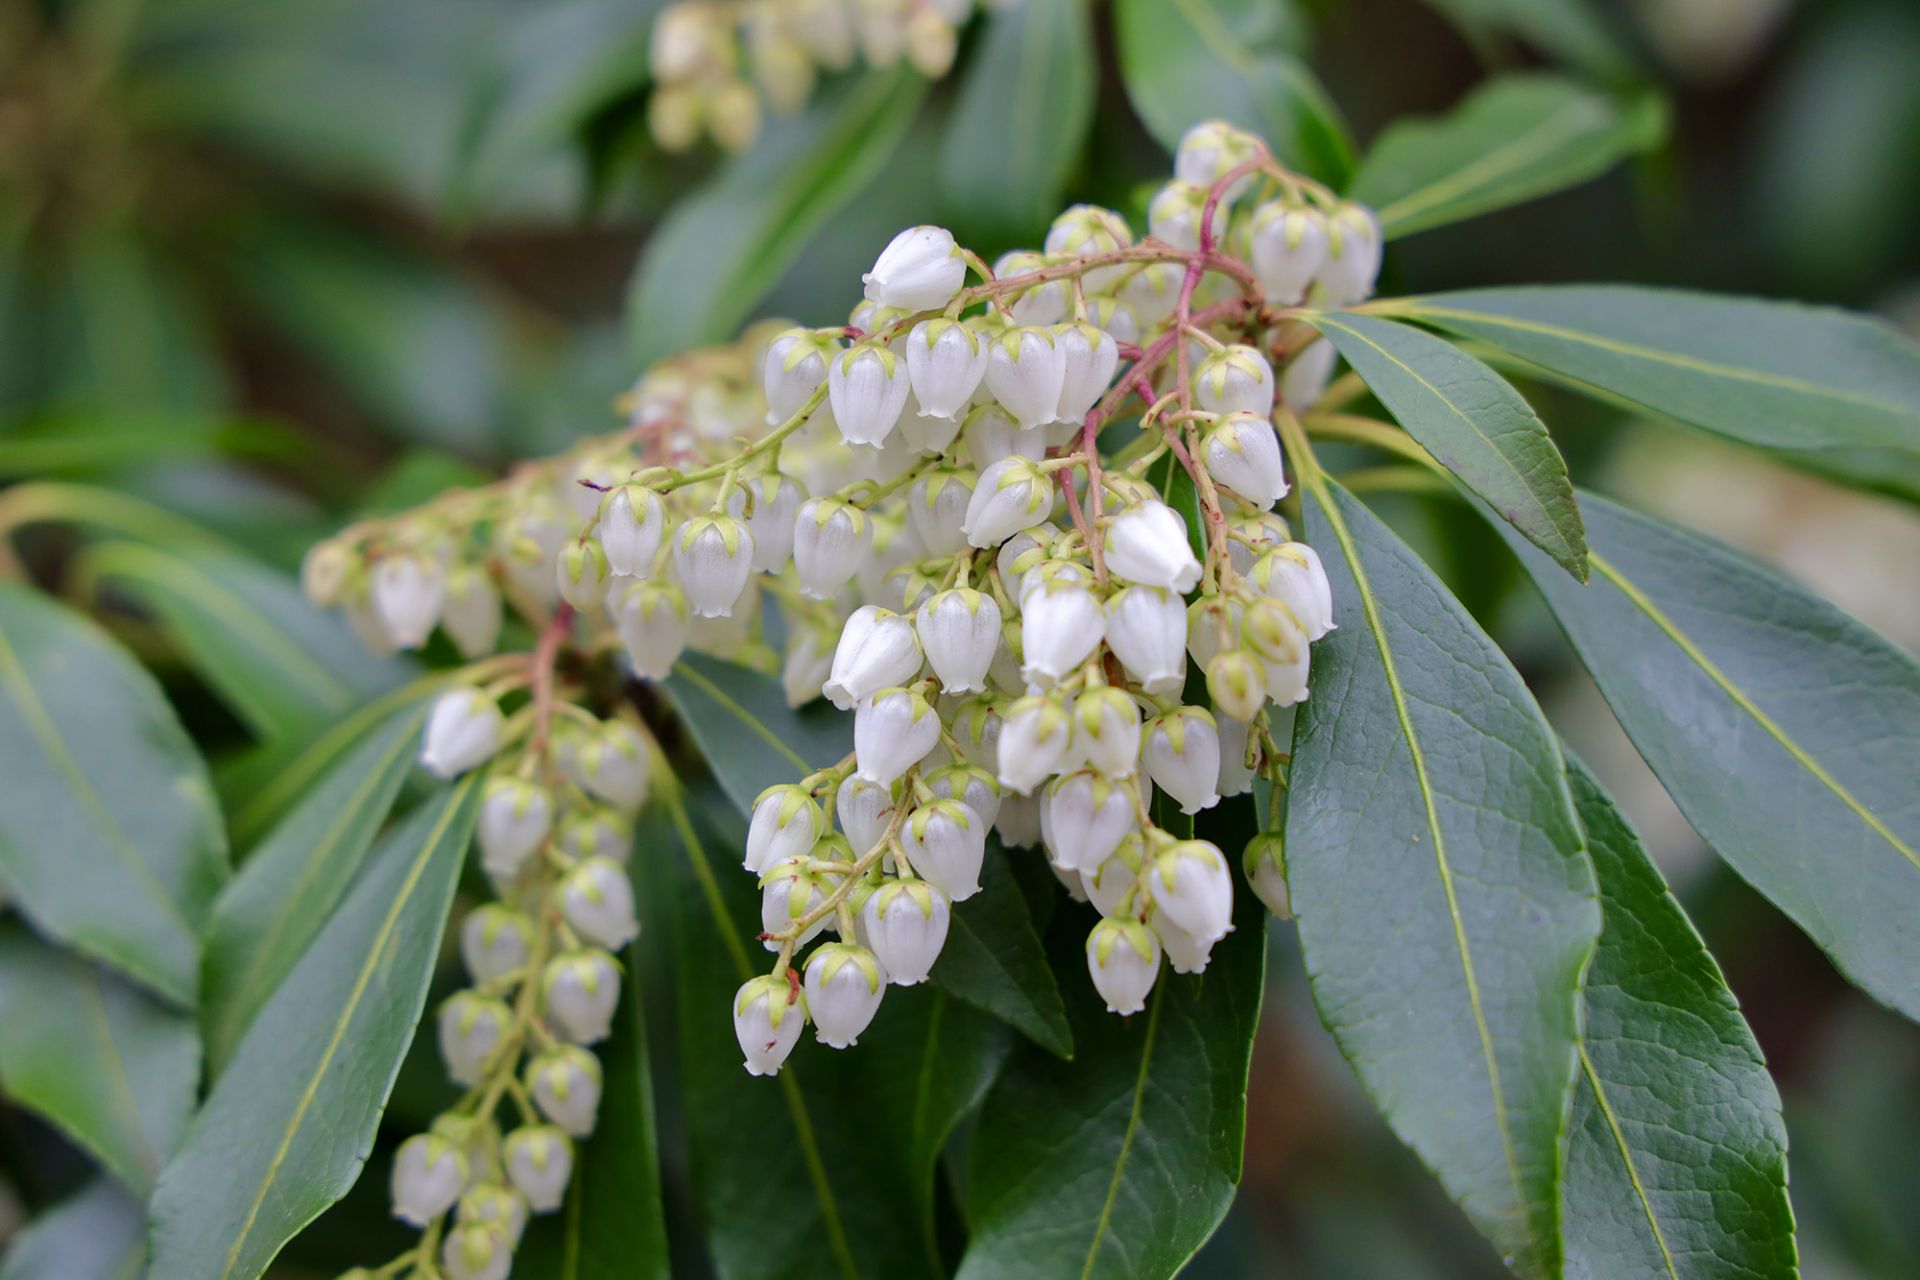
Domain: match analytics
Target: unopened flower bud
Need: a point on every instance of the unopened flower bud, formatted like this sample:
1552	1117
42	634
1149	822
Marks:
581	568
906	925
959	630
408	590
796	365
495	940
1025	372
1212	149
476	1251
596	899
1242	455
809	661
931	43
969	784
1085	230
991	435
1353	256
831	540
1045	303
937	510
471	615
786	823
768	1017
1265	863
581	990
844	988
1123	958
1237	684
1107	731
1306	376
596	832
1235	380
776	501
503	1207
733	113
1183	757
1293	575
1086	816
1289	248
1061	624
1146	627
1033	741
539	1163
1088	357
651	618
1174	213
946	843
713	555
1013	494
1108	885
630	529
463	730
1192	888
788	893
1147	544
428	1172
976	726
324	571
1152	291
565	1084
892	731
919	270
515	816
471	1027
612	763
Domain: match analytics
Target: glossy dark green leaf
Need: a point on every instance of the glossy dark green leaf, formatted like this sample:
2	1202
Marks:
844	1141
283	894
1025	102
1472	422
1123	1161
1773	374
1445	902
1515	138
98	1233
1677	1154
1576	31
753	740
1185	61
113	1067
717	254
289	1123
109	837
284	666
1785	731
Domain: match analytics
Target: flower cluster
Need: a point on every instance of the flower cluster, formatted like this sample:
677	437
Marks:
708	56
1014	527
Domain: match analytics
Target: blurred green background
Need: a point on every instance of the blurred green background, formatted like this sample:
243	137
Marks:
271	265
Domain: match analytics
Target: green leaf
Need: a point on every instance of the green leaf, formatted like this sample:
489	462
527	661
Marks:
1025	102
613	1226
1517	137
1772	374
1574	30
289	1123
109	837
1677	1159
753	740
99	1233
1122	1162
1785	731
114	1068
713	259
846	1141
1184	61
269	912
285	667
1445	903
1472	422
118	440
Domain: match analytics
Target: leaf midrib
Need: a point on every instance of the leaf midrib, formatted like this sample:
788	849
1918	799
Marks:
1626	1159
753	722
1126	1138
1501	162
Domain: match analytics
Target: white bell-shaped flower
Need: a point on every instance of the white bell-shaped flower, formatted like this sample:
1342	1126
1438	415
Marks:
937	510
1123	958
476	1251
1106	731
1152	291
471	1028
1061	624
495	940
463	730
581	989
831	540
1033	741
1236	379
1174	213
632	524
1109	886
776	500
878	648
581	570
796	366
565	1084
969	784
472	614
1182	755
651	618
1085	230
1353	256
844	986
1306	376
906	925
713	556
1254	536
516	814
892	731
1265	863
428	1173
1023	552
1146	543
789	891
1087	815
613	763
596	899
539	1163
1018	822
946	360
976	727
768	1017
1236	774
959	630
1186	953
808	663
1146	627
1025	372
1242	455
1236	683
1088	357
503	1207
946	843
1212	149
1289	246
867	388
919	270
865	810
1192	887
1013	494
1294	575
1122	322
1047	302
408	590
991	434
786	823
596	832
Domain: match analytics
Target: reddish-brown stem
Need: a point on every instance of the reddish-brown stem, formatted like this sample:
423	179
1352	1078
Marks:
1217	190
541	664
